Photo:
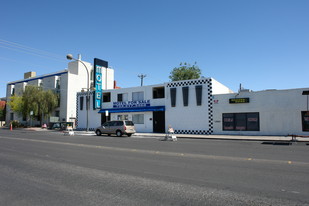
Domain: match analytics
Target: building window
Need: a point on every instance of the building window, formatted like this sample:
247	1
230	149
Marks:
122	97
58	84
198	93
13	91
185	96
91	75
241	121
158	93
106	97
305	120
138	118
122	117
173	97
81	103
11	116
137	96
57	113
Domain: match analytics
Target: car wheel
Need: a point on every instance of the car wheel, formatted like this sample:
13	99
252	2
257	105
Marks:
98	132
118	133
129	135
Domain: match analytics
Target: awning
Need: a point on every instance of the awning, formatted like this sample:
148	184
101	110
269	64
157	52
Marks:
133	109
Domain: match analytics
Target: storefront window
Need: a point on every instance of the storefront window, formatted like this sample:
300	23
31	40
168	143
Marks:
138	118
123	117
305	120
241	121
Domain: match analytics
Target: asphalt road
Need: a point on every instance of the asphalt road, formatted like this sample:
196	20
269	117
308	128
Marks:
47	168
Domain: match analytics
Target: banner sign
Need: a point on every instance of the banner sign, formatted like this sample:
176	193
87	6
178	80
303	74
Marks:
239	100
98	66
130	104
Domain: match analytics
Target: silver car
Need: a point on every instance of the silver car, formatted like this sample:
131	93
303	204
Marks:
119	128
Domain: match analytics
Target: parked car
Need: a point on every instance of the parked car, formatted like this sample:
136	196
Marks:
122	127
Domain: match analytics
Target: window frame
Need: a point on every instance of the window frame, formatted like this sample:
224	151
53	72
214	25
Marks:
241	121
138	118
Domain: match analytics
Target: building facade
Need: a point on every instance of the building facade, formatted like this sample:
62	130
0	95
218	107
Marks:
66	83
202	106
184	105
269	112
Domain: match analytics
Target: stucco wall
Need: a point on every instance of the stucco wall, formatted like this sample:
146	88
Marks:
279	111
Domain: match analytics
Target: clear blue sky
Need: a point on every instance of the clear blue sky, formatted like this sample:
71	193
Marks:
263	44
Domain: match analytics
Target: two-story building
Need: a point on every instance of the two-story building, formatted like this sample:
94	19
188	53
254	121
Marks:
185	105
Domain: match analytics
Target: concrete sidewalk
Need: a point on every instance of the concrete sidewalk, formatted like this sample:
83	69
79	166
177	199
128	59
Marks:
191	136
227	137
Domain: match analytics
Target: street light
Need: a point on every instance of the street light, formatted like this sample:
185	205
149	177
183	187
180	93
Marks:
141	76
70	57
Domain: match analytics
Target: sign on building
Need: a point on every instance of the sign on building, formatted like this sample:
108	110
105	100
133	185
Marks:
99	65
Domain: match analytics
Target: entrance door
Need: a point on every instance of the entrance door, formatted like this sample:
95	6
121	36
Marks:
104	119
159	122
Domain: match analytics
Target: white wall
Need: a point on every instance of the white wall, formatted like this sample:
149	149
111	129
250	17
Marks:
96	117
191	118
77	79
218	88
279	111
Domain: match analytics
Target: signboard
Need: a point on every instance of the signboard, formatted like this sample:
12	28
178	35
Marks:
239	100
130	104
98	65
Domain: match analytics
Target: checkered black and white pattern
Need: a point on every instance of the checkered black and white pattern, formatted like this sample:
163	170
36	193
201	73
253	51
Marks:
207	82
189	82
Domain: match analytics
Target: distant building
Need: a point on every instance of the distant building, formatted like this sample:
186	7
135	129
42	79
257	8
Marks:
65	82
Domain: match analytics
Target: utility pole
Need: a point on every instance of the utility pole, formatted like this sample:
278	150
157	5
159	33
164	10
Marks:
142	76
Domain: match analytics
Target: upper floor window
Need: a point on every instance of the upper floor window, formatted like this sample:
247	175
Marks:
13	91
137	96
199	92
123	97
106	96
58	84
185	96
158	92
173	96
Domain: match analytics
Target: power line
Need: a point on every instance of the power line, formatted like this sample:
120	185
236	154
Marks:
29	50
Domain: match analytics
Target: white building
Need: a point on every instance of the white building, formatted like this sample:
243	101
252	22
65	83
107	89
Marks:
185	105
269	112
66	82
203	106
199	106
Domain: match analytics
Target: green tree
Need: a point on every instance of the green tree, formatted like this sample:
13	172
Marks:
2	114
16	104
49	101
41	102
184	72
